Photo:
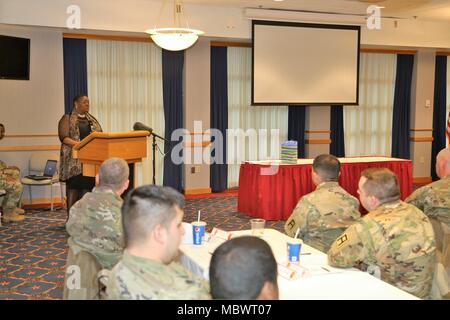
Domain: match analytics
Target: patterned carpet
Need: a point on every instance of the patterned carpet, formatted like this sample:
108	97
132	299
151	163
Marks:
33	252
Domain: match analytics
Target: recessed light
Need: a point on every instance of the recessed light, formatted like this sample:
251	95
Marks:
278	0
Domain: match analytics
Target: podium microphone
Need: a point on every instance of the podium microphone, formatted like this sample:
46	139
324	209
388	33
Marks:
141	126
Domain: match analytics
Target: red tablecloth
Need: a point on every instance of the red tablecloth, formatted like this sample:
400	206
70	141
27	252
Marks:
273	197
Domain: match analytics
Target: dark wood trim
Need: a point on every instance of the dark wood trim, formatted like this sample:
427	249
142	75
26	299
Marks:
318	131
31	148
387	51
107	37
421	139
197	191
422	180
317	141
230	44
31	135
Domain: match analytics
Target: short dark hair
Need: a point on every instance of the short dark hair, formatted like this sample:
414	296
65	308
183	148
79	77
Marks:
327	167
381	183
147	206
77	98
240	267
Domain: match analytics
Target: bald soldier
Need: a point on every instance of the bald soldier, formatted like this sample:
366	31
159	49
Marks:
325	213
394	241
152	221
10	182
434	201
95	229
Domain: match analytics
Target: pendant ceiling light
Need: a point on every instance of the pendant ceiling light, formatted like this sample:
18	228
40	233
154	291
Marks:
176	38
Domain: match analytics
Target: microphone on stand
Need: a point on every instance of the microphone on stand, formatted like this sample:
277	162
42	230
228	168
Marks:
141	126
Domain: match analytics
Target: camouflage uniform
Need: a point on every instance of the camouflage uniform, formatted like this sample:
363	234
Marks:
10	182
323	215
434	201
137	278
395	240
95	224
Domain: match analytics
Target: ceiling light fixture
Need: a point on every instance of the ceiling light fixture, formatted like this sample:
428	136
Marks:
176	38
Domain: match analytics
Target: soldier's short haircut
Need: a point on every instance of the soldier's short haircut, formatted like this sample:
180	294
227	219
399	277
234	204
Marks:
147	206
327	167
444	154
113	173
240	267
381	183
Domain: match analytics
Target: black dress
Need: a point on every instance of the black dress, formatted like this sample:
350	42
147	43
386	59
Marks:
81	182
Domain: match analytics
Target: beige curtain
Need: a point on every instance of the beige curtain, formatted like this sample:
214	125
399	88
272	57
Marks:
368	126
241	115
125	86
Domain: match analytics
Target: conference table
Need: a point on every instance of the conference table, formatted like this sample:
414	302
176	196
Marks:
271	189
321	281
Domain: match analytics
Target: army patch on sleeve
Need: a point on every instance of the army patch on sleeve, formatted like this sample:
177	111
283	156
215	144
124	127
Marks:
340	241
291	224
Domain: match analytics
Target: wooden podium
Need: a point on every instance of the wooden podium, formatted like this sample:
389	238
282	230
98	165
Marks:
99	146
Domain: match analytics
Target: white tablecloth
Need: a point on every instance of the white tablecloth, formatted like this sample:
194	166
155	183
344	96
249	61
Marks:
336	284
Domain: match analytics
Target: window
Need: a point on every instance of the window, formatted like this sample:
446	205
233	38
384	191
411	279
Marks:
368	127
125	86
241	115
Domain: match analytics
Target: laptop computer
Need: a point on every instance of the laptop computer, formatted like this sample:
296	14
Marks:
49	171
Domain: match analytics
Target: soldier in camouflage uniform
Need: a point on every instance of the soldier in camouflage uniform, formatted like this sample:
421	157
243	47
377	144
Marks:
434	201
95	229
394	241
152	219
10	182
326	212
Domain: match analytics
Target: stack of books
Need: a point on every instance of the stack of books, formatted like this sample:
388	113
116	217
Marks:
289	152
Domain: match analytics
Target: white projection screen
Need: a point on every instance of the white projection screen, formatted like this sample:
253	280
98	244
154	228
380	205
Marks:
308	64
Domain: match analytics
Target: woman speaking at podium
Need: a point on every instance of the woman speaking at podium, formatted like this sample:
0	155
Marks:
72	128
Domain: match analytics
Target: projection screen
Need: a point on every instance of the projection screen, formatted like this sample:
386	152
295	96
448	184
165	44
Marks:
303	63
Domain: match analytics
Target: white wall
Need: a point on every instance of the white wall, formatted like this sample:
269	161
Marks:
33	107
216	21
197	108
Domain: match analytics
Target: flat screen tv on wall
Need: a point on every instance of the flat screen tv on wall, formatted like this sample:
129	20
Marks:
14	58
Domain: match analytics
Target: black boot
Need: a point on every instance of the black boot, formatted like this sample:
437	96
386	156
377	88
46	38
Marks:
73	196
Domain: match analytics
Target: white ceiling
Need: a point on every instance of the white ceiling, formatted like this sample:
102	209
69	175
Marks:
407	9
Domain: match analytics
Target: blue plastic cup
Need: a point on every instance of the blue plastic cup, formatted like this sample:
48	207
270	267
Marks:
198	232
294	246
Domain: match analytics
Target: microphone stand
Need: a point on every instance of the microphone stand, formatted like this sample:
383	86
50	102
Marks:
154	136
154	157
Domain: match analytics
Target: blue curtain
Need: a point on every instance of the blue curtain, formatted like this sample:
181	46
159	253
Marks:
337	146
172	69
439	114
402	104
219	114
296	127
75	70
